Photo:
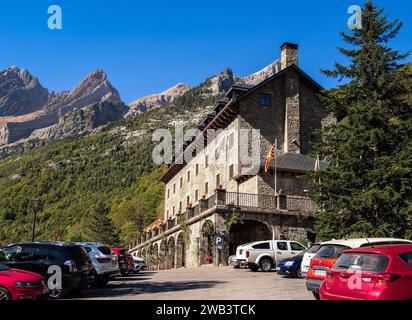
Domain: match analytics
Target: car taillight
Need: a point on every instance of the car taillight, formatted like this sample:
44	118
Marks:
104	260
72	265
385	278
247	254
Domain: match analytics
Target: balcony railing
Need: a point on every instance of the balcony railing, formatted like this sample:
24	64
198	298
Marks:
251	200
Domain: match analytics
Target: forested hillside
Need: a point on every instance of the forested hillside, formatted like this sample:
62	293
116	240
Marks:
99	187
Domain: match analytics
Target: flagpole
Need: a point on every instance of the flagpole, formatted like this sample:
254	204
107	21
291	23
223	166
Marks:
276	151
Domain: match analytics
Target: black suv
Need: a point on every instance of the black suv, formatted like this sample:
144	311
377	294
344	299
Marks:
39	256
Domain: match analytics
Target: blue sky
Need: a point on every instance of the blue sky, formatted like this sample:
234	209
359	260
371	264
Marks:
148	46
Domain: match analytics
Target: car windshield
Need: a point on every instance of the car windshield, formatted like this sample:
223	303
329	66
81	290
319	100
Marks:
330	251
362	261
314	248
105	250
3	267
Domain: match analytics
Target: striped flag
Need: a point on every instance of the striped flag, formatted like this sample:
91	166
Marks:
270	156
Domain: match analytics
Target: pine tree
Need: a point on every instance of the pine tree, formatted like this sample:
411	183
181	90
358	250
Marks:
366	191
99	227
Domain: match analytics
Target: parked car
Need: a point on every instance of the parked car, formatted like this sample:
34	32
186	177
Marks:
241	256
375	273
125	260
330	251
104	264
21	285
139	264
291	266
232	261
264	254
307	258
39	256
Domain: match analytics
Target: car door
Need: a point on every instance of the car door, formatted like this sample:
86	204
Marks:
281	250
296	248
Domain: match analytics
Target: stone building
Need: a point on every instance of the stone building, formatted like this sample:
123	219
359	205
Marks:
218	185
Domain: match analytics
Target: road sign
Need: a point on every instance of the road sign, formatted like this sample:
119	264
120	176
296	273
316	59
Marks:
219	242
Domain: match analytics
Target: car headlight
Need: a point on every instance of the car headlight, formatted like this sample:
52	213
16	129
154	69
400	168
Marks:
26	285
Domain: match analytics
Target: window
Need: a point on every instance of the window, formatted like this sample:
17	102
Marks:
407	257
197	169
218	180
187	200
188	176
174	210
181	182
314	248
294	246
10	253
206	188
264	245
180	206
174	188
265	99
282	246
363	262
231	140
330	251
105	250
33	253
168	193
206	161
167	214
217	153
196	195
231	171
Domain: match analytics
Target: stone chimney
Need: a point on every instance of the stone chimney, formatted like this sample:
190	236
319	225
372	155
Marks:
289	55
292	101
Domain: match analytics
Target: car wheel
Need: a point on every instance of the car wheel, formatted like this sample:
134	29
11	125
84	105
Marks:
299	274
57	293
254	268
4	294
93	279
266	265
316	295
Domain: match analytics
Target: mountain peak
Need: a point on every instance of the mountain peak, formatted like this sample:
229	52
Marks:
262	74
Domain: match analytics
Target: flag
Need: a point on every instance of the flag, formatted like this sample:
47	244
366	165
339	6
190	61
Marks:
270	156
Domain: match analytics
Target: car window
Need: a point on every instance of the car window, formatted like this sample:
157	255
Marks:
407	257
3	267
33	253
10	253
314	248
263	245
282	246
296	246
105	250
362	261
330	251
387	242
88	249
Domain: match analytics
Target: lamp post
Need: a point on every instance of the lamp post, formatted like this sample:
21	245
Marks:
33	225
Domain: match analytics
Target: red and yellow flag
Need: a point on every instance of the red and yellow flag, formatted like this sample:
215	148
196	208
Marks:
270	156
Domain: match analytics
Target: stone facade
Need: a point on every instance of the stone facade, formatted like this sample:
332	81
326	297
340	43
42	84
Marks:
217	184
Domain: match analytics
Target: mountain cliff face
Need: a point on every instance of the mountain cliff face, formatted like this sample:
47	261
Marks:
157	100
29	108
263	74
20	92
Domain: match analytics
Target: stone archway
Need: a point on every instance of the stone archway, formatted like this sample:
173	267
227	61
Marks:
170	257
248	231
207	233
180	251
163	255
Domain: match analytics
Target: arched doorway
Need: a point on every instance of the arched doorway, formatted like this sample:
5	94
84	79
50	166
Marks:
248	231
180	251
207	234
170	257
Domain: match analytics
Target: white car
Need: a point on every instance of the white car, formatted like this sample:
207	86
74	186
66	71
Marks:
139	264
307	258
104	264
265	254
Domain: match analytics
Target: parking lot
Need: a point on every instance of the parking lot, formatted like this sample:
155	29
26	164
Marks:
206	282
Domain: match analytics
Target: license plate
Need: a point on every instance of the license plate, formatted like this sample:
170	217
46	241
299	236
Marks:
289	263
320	273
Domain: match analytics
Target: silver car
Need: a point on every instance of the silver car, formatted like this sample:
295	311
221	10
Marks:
104	264
139	264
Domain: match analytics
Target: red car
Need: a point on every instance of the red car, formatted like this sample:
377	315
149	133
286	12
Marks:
21	285
374	273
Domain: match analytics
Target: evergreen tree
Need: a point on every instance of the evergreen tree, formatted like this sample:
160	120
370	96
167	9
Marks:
99	227
366	191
